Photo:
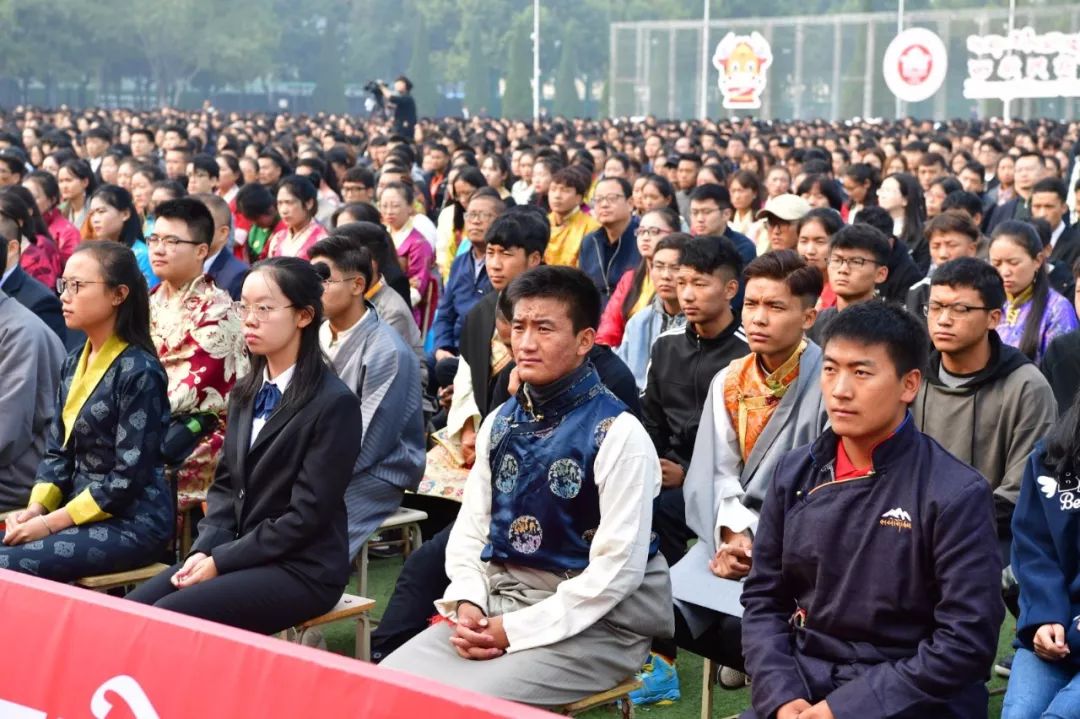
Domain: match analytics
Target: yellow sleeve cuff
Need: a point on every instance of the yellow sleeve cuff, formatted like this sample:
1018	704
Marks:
47	494
84	508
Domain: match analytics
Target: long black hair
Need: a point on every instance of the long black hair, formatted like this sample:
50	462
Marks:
120	199
303	288
914	211
14	208
119	267
1024	236
473	177
37	224
81	169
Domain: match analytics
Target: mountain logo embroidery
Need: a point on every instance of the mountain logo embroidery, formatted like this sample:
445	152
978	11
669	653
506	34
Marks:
897	518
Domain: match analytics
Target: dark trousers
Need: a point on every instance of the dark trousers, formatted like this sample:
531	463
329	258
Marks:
266	599
422	581
669	523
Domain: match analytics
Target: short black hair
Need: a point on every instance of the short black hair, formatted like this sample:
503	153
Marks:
963	200
192	213
255	200
716	193
877	217
1052	184
675	241
803	279
624	185
880	323
861	236
974	273
207	164
347	252
708	254
523	226
360	174
568	285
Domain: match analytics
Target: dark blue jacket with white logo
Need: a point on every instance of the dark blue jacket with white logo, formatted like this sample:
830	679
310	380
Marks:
1046	551
879	594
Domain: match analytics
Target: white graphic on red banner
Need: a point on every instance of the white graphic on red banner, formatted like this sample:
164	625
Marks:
915	64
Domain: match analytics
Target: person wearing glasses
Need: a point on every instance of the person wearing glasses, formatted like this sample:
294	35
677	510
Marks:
857	264
635	289
273	549
607	253
196	332
949	236
100	503
374	361
982	399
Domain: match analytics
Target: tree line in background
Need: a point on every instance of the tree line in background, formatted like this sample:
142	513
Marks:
123	52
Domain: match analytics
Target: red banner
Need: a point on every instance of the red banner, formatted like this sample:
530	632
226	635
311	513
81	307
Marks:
69	653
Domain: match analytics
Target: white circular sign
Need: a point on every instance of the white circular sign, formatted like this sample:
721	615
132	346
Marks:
915	64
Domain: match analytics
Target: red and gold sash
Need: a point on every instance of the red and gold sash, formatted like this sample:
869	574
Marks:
751	396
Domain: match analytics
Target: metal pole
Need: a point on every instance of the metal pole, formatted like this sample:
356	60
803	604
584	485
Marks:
1007	102
704	99
536	61
899	29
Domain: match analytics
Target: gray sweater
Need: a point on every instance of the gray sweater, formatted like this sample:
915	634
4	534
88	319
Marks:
30	359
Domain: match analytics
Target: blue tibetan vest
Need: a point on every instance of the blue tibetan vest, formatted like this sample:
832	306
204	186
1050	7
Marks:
545	506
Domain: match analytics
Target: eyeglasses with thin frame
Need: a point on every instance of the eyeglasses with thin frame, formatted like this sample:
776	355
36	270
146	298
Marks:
855	263
956	309
170	242
327	282
610	199
63	285
262	312
478	216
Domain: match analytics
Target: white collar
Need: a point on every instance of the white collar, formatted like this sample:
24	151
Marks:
282	380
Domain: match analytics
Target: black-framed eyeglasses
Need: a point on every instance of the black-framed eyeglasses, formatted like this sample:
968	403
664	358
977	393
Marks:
63	285
957	309
855	263
169	241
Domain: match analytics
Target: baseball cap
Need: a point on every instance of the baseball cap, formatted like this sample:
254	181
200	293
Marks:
785	207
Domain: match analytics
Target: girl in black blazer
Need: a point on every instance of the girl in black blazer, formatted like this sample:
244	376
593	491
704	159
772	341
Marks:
273	549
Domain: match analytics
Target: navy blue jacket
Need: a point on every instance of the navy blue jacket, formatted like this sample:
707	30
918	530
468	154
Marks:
37	298
229	273
605	263
881	595
463	289
1046	551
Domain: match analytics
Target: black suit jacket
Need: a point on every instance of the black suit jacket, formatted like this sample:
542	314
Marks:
475	345
1062	257
229	273
282	501
37	298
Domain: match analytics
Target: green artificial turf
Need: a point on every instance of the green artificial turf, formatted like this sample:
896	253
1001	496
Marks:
382	573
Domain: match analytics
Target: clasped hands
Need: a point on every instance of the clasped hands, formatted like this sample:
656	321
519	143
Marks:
802	709
734	555
476	635
197	569
29	525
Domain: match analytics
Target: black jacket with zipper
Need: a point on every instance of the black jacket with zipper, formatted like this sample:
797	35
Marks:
681	368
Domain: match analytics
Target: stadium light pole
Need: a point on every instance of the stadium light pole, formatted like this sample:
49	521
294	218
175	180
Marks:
705	63
899	29
536	61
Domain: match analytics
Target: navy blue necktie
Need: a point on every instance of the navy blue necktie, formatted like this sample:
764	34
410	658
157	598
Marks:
266	400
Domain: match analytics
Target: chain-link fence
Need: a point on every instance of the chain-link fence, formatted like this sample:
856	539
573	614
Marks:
822	66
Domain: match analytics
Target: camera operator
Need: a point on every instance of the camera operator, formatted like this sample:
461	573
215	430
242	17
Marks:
403	104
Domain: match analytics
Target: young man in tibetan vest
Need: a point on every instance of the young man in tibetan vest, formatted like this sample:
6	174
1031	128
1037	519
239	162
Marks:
556	587
875	587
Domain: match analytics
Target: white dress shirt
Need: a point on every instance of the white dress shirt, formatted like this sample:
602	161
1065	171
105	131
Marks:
282	383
